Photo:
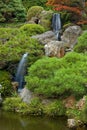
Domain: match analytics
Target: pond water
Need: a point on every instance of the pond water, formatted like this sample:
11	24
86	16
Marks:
11	121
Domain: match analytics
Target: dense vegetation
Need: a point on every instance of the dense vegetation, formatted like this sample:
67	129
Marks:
59	77
52	80
11	11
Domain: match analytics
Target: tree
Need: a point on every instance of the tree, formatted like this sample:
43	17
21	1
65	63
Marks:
11	10
76	7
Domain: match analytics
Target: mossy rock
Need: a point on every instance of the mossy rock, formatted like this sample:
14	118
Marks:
46	19
34	11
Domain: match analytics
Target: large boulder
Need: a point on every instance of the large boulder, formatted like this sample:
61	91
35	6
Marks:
44	38
70	36
25	95
54	48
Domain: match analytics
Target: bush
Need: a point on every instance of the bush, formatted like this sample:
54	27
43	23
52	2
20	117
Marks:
14	43
81	46
12	11
31	3
55	108
58	77
34	11
5	81
15	104
73	113
35	107
32	29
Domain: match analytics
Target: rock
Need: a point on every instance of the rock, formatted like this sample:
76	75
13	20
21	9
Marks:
15	85
80	104
44	38
71	123
25	95
54	48
70	36
34	20
69	102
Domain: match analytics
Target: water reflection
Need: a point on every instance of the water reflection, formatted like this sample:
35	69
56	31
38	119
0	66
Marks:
10	121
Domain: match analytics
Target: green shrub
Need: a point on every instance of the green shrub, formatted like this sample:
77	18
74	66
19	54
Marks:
73	113
55	108
34	11
5	81
32	29
27	4
35	107
59	77
15	104
12	11
14	43
81	46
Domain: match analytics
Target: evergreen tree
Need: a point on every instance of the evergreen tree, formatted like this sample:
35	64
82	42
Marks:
12	10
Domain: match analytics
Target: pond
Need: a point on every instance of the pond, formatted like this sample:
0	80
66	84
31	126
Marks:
12	121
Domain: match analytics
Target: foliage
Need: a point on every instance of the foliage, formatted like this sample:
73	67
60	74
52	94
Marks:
14	43
5	81
55	108
59	77
32	29
75	7
14	104
11	11
34	11
73	113
30	3
46	18
35	107
81	46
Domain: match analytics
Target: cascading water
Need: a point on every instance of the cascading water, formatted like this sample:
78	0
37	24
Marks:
56	24
21	71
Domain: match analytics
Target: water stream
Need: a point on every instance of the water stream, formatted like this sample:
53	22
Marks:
21	71
56	24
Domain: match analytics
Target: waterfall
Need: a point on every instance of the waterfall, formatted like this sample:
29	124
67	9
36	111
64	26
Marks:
56	24
21	71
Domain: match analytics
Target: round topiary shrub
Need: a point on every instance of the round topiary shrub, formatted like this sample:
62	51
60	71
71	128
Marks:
32	29
54	77
81	46
34	11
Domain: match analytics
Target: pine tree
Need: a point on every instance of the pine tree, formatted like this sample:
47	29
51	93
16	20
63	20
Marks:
12	10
